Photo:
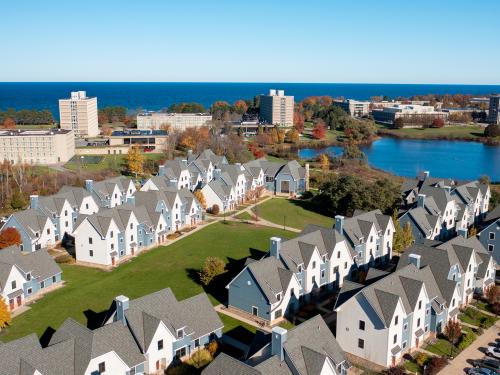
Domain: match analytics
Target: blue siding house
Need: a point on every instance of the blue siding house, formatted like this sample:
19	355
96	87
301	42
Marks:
489	235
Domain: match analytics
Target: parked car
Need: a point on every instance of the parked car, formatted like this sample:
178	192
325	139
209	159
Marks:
480	371
493	351
488	363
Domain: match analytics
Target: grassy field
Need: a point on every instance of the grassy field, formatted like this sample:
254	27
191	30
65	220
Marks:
295	214
245	216
472	132
113	162
89	292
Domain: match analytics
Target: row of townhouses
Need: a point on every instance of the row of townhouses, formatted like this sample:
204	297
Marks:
145	335
26	277
438	209
319	259
392	314
227	185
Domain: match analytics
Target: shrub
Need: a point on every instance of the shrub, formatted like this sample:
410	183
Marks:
212	267
215	209
396	370
420	359
9	237
212	348
200	358
466	339
17	201
398	123
436	364
437	123
492	131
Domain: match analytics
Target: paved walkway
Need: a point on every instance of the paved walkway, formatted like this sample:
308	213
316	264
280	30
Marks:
459	364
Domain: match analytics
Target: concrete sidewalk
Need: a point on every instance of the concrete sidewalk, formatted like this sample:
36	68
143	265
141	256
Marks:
459	364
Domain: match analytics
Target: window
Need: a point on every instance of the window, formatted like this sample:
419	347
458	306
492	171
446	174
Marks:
102	367
87	206
255	310
111	234
404	344
48	230
338	254
322	274
420	305
324	258
278	296
53	279
13	284
336	269
65	212
160	344
112	246
278	314
291	292
314	265
132	371
90	240
388	232
371	238
427	311
361	343
179	353
345	265
491	235
396	320
28	276
91	253
453	302
196	343
299	268
405	326
395	339
468	283
66	223
426	328
362	325
42	285
491	248
418	322
180	333
470	267
131	225
29	291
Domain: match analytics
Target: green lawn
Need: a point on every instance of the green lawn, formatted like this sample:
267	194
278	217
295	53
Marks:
459	132
477	318
245	216
105	162
295	213
88	292
442	347
237	329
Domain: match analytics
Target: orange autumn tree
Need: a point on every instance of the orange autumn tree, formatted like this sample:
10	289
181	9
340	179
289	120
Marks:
319	130
4	314
240	107
9	237
9	123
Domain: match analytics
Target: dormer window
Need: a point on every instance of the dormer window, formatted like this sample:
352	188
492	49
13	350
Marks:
180	333
278	296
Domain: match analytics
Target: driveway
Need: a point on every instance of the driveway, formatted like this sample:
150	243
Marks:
459	364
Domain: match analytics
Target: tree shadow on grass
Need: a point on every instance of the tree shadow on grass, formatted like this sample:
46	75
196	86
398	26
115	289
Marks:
217	287
309	205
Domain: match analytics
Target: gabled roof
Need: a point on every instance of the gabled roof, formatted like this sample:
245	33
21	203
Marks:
492	216
19	355
224	364
220	188
360	225
74	195
39	263
271	276
31	220
52	205
174	168
424	221
92	344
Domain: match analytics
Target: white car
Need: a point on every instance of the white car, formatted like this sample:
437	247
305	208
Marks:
493	351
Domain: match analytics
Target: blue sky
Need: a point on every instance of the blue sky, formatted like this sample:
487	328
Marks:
385	41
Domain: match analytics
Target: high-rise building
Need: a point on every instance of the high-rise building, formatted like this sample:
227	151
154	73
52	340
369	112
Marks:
494	110
79	113
276	108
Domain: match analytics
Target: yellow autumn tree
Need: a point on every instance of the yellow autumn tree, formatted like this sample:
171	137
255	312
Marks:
200	197
4	314
135	160
325	162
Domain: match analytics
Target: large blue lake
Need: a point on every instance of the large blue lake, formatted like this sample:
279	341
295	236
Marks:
407	157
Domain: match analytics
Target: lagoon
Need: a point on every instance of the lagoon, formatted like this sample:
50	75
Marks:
460	160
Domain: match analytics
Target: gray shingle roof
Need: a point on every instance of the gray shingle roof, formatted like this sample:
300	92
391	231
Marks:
223	364
271	276
31	220
74	195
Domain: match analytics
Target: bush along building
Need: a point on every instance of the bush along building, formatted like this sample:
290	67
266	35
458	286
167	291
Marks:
318	260
393	313
26	277
437	208
166	330
309	348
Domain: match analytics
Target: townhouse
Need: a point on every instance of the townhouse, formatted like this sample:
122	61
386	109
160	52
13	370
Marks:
58	209
24	277
201	171
176	173
167	330
489	234
281	178
294	270
234	175
471	198
309	348
36	229
80	199
111	192
393	313
113	235
218	193
369	234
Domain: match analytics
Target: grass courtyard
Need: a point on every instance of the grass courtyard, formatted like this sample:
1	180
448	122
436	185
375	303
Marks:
472	132
89	292
294	213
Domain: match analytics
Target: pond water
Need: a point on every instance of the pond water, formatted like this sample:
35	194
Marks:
407	157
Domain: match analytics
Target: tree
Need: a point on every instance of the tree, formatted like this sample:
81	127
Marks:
240	107
395	370
292	136
298	121
212	267
493	295
403	237
9	237
472	231
492	131
319	130
398	123
9	123
135	160
437	123
4	314
17	200
453	331
324	161
201	198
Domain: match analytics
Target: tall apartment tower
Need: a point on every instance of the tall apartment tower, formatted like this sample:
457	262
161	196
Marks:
276	108
79	113
494	110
